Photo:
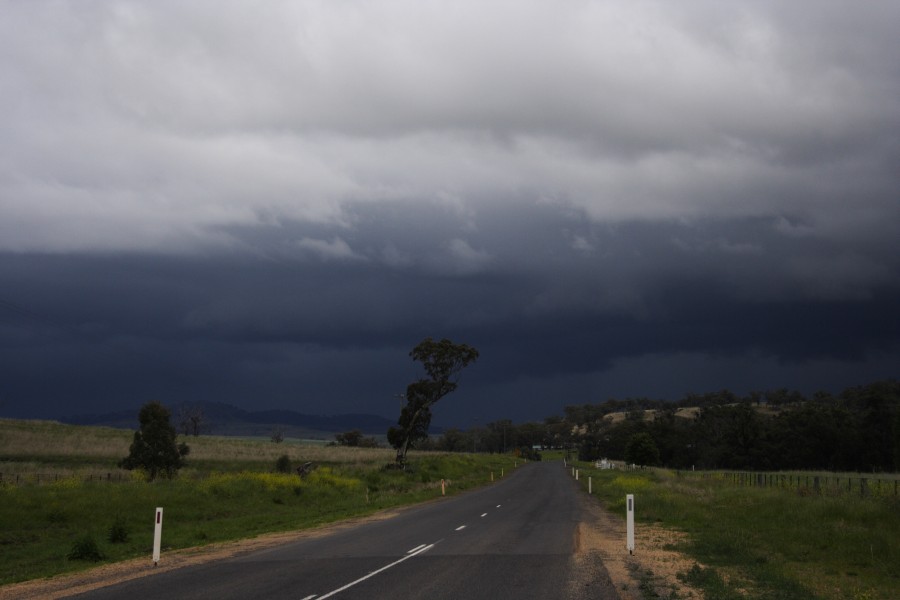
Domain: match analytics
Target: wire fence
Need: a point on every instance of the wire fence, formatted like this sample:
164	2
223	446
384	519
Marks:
813	484
46	478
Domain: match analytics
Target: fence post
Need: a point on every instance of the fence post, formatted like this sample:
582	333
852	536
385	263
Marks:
816	485
863	487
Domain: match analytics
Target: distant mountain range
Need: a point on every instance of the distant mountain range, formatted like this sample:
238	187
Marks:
216	418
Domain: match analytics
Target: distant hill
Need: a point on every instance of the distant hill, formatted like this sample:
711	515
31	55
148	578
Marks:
217	418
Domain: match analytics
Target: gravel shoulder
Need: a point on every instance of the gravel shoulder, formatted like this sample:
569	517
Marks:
652	569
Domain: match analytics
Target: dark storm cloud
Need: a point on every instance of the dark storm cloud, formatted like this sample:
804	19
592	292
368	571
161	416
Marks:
329	333
271	205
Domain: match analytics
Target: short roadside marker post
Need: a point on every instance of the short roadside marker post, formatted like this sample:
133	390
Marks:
157	535
443	488
589	485
629	500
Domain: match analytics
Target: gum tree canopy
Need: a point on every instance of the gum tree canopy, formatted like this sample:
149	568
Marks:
443	362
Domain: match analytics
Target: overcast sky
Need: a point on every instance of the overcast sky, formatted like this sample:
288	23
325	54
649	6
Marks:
269	204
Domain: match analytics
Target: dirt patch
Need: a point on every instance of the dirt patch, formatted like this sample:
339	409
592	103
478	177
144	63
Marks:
652	569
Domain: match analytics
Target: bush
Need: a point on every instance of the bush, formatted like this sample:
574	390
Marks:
642	450
118	533
283	464
85	548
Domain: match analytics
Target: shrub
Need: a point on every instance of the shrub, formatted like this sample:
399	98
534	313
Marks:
118	532
85	548
283	464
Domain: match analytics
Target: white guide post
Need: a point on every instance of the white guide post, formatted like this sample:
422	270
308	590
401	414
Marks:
629	523
589	486
157	535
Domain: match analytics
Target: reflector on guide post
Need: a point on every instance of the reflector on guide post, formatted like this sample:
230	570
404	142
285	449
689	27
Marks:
629	523
157	535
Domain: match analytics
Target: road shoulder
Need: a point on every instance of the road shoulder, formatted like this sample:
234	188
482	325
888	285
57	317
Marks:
602	556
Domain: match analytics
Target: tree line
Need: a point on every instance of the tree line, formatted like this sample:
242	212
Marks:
856	430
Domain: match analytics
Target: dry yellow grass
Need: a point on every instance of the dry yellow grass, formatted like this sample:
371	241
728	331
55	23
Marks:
28	447
224	448
20	438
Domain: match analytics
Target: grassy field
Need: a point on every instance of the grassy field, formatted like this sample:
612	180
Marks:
752	542
766	542
84	506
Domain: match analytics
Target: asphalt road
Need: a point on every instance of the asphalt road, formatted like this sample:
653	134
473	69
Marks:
513	539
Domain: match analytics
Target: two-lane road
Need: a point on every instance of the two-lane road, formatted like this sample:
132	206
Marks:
513	539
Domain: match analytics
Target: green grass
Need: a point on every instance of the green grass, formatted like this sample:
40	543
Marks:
228	491
769	542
